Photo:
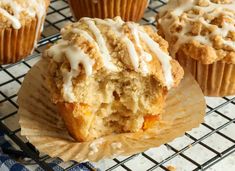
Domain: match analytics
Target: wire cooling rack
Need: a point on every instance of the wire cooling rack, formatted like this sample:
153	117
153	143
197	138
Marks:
211	146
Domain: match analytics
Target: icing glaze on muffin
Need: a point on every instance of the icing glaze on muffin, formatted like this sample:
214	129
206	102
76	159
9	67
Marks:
113	46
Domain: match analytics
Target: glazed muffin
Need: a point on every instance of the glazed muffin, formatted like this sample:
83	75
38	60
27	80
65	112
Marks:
110	76
21	23
128	10
201	36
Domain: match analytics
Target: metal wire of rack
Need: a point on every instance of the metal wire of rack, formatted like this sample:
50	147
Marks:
209	146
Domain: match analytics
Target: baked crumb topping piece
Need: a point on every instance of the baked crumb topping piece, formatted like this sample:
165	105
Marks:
208	25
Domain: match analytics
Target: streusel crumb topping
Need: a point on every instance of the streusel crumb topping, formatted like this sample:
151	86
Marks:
110	46
204	23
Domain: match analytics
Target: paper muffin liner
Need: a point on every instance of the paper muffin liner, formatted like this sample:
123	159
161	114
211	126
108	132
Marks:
128	10
217	79
16	44
44	128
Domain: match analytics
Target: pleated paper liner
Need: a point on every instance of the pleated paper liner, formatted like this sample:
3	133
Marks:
17	44
128	10
217	79
45	129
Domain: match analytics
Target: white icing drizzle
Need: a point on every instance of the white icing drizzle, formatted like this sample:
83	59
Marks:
102	45
163	57
130	45
131	48
75	56
84	34
132	53
144	56
35	8
177	8
116	27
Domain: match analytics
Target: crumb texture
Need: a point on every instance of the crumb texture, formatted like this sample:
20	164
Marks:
202	29
108	76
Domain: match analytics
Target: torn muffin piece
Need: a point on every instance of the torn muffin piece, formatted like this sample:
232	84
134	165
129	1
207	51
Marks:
110	76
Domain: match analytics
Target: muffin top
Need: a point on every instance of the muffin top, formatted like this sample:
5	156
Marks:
108	46
206	27
15	13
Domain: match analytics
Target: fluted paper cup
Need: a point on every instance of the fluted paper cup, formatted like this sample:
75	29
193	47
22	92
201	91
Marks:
128	10
44	128
217	79
17	44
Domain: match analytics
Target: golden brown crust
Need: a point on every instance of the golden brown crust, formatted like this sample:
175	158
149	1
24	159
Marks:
76	118
177	72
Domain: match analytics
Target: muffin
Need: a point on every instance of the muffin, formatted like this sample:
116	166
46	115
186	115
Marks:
201	36
21	23
109	76
128	10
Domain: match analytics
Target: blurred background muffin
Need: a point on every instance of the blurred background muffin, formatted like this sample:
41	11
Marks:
128	10
21	23
201	35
